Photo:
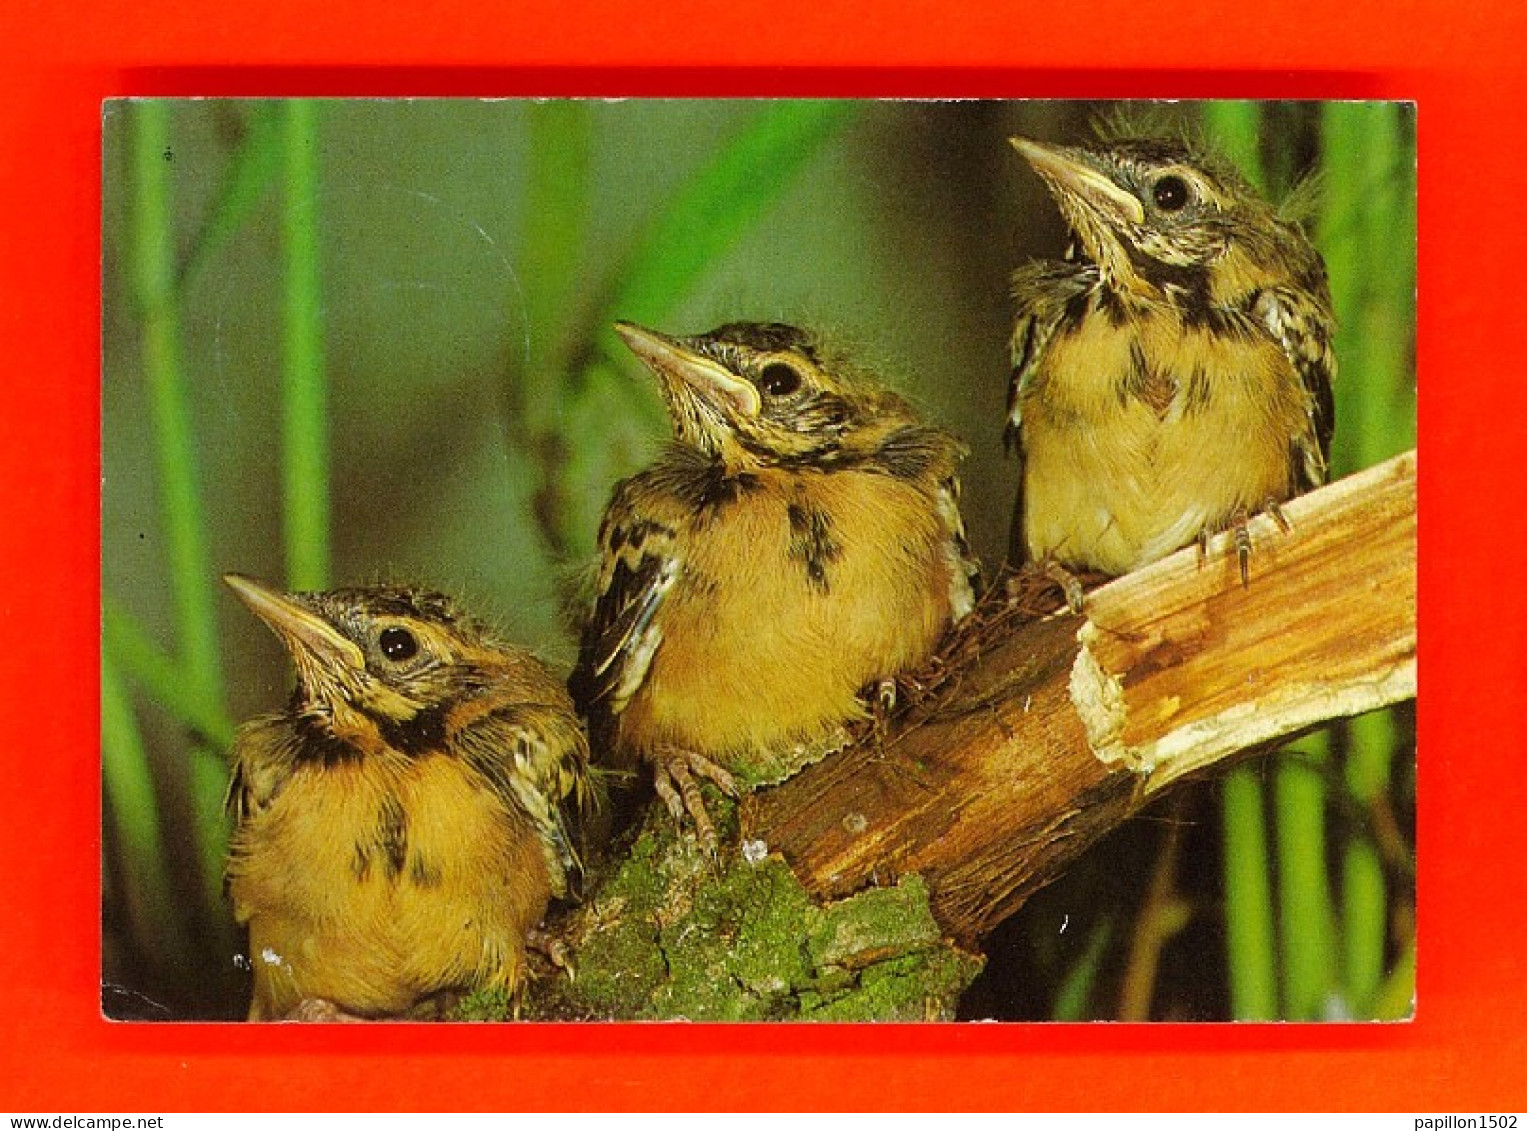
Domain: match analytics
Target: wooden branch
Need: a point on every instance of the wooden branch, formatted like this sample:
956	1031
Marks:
1043	738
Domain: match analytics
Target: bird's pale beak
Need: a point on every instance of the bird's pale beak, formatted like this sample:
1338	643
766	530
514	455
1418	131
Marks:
1067	173
305	634
673	361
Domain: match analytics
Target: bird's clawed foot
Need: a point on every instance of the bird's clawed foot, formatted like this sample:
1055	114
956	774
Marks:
554	948
674	776
1038	578
1069	583
882	696
1240	528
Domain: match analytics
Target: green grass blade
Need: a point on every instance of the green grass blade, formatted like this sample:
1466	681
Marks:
199	665
1367	234
252	170
1396	998
1073	998
556	210
1248	900
137	657
1308	934
209	788
1236	130
1371	743
153	254
719	203
1373	739
1365	911
132	805
305	433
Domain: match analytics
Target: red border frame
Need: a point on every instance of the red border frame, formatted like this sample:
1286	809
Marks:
1466	1049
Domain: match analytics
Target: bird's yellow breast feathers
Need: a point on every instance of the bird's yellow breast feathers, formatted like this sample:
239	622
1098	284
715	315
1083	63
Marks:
374	886
1138	437
809	588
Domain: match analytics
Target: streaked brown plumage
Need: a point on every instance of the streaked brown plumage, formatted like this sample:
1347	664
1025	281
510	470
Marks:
1172	376
399	829
800	540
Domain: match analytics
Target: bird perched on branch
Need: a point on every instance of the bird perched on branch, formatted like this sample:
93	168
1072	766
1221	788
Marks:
399	825
799	542
1172	377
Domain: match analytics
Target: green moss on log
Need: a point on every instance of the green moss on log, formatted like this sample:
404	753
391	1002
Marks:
676	933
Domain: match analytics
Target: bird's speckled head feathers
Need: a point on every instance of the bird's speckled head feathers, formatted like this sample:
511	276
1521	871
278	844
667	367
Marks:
384	653
765	394
1161	217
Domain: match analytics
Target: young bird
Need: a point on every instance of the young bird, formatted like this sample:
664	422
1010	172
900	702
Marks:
399	831
1173	375
800	540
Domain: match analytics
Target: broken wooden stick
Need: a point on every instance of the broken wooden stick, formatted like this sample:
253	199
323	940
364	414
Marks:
1045	735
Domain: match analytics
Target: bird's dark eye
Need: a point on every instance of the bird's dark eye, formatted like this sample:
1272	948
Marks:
1170	193
779	379
398	644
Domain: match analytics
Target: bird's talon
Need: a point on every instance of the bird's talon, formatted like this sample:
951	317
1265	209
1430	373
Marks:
1276	511
1070	586
711	773
1243	547
1076	600
663	783
674	779
554	948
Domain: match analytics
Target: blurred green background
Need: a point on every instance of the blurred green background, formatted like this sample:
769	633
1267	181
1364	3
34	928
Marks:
349	341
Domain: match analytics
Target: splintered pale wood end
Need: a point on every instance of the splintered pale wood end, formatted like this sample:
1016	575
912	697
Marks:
1325	629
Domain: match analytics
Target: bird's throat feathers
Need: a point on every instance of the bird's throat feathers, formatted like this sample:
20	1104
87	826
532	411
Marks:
337	731
712	479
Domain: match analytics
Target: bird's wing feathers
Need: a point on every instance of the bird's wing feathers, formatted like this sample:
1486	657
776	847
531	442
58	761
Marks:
1304	331
1044	291
263	755
641	561
535	759
1031	334
965	570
